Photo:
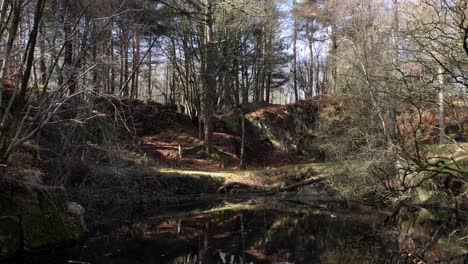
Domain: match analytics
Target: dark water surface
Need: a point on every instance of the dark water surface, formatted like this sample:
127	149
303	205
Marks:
249	231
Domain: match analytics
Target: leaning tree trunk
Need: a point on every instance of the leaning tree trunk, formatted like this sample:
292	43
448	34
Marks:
12	29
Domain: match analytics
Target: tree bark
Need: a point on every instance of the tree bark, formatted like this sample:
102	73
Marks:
209	75
242	150
295	38
150	74
441	95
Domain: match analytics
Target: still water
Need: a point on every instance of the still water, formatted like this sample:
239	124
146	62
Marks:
262	231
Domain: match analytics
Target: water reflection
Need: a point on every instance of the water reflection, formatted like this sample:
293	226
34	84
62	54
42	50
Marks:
260	232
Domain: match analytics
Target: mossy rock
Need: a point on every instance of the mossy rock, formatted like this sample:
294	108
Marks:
232	123
44	230
54	200
193	150
191	184
313	151
36	213
451	248
259	129
31	147
7	205
220	157
9	235
424	196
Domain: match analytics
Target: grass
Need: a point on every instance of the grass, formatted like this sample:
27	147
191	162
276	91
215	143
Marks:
455	156
457	152
268	177
274	177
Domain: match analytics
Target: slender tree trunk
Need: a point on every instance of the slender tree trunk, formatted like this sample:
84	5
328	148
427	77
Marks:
245	83
295	38
12	32
310	41
150	75
173	72
333	59
4	16
13	128
135	65
393	93
242	150
42	61
237	81
264	64
318	88
125	63
256	72
94	52
167	88
68	55
111	63
209	75
442	137
268	87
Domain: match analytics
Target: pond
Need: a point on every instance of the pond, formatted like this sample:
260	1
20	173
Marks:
257	231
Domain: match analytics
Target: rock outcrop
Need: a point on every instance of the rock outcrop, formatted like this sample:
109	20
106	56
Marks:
34	216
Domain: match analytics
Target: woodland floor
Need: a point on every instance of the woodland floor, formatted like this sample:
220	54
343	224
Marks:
164	149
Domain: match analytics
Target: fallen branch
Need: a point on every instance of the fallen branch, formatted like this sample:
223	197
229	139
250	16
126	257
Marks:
243	187
297	185
237	186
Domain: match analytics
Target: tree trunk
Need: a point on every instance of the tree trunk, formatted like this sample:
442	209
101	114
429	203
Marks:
209	75
310	42
333	59
442	137
242	150
12	32
295	37
125	64
237	81
268	87
135	65
68	56
12	129
111	64
150	75
392	129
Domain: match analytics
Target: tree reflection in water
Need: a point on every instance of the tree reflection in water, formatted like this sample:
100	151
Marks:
269	232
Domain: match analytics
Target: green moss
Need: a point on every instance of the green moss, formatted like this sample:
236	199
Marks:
432	197
31	147
7	205
41	230
52	201
38	214
452	247
260	130
9	235
424	216
449	153
184	182
316	152
193	150
220	157
231	121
